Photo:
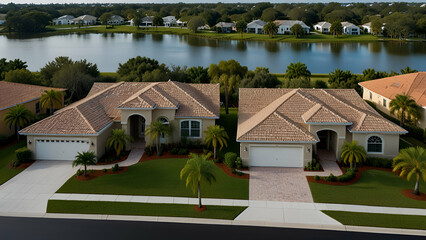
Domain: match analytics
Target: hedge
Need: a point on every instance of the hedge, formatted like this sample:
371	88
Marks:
23	155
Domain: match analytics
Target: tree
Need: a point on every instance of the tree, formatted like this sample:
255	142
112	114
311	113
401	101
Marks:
297	70
353	153
260	79
342	79
297	30
118	140
18	117
105	19
215	135
411	161
300	82
408	70
336	28
155	130
376	26
157	21
198	74
195	23
405	108
7	66
270	14
135	68
270	28
84	159
228	74
27	21
320	84
241	27
52	67
198	171
21	76
51	98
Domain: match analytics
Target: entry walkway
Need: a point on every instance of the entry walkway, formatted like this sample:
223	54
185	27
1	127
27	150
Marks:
134	156
328	163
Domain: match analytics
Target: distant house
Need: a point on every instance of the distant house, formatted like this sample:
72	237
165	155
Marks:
323	27
84	20
256	26
350	28
116	20
181	23
225	27
169	21
147	21
2	18
63	20
284	26
367	27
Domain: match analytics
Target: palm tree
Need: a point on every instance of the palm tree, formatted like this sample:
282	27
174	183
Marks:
18	117
155	130
84	158
216	134
353	153
411	161
336	28
241	26
51	99
405	107
197	171
297	70
118	139
408	70
270	28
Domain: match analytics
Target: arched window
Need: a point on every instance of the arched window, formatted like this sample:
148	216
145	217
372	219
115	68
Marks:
163	120
374	144
190	128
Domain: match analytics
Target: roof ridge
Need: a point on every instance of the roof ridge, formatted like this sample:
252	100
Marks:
162	94
321	103
138	93
85	119
189	95
289	121
343	102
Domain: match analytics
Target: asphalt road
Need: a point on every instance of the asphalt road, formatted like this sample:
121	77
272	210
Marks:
62	229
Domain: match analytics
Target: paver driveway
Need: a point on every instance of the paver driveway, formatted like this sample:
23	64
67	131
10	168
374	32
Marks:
29	191
279	184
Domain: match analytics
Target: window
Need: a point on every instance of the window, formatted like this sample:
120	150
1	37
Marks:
37	107
190	128
384	102
374	144
371	95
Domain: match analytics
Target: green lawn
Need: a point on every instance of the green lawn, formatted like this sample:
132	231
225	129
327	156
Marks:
229	122
158	178
376	188
379	220
7	155
142	209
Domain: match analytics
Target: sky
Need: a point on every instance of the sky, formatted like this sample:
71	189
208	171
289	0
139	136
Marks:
190	1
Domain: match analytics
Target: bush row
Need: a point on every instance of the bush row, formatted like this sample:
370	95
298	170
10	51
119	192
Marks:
346	177
232	160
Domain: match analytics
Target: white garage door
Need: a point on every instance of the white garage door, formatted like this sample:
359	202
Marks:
274	156
52	149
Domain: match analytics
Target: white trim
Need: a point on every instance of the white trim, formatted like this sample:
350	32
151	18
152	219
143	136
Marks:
68	135
329	123
20	103
377	132
275	142
190	137
183	117
136	108
366	144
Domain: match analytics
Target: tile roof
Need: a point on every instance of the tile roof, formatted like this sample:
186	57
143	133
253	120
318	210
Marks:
324	24
284	115
290	23
102	105
413	84
12	94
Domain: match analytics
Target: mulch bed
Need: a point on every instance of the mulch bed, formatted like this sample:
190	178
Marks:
98	173
228	172
21	166
198	209
409	193
113	162
354	180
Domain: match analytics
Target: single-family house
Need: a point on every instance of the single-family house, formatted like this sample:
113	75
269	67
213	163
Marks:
116	20
86	125
169	21
181	23
225	27
287	127
350	28
382	91
323	27
2	18
63	20
367	27
12	94
84	20
147	21
256	26
284	26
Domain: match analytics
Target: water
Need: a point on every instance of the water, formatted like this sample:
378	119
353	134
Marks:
108	50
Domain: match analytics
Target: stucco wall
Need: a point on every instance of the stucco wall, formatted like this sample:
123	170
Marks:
340	131
100	141
245	151
390	144
4	129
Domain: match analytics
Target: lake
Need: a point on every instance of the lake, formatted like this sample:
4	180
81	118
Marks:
108	50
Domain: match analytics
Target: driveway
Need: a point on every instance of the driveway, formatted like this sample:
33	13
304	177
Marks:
29	191
279	184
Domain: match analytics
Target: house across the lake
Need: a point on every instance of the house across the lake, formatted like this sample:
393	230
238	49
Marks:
225	27
256	26
2	18
169	21
147	21
86	125
284	26
84	20
63	20
323	27
287	127
350	28
116	20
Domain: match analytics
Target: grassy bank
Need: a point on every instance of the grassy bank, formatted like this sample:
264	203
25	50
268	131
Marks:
142	209
7	156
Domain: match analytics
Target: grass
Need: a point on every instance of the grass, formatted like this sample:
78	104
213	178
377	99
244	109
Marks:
142	209
375	188
158	178
229	122
379	219
7	156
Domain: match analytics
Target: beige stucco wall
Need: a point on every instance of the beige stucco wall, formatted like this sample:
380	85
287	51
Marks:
4	129
245	151
390	143
341	135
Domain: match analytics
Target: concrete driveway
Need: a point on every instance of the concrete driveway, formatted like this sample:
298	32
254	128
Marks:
279	184
29	191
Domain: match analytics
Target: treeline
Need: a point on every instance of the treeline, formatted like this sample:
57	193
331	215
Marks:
401	18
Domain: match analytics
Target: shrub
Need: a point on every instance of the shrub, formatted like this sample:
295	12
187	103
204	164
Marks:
174	151
230	159
110	158
240	173
313	166
148	151
91	171
378	162
331	178
16	164
79	172
317	178
183	151
115	168
233	171
347	176
238	163
23	155
104	170
3	140
217	160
